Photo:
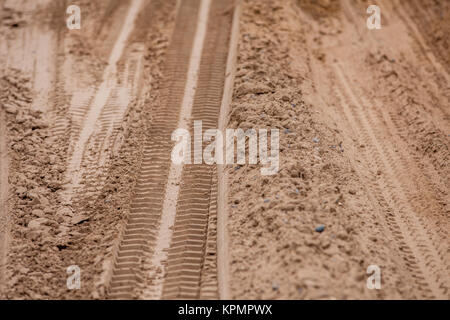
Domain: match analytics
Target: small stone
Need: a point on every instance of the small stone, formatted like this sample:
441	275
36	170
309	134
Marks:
266	200
64	212
34	197
23	270
315	140
351	191
44	201
10	109
33	235
20	119
285	98
320	228
36	224
21	191
38	213
52	159
78	219
39	124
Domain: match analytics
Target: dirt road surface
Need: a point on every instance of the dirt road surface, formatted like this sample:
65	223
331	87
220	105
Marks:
87	122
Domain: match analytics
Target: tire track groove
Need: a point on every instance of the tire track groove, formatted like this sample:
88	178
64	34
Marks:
192	257
421	248
147	202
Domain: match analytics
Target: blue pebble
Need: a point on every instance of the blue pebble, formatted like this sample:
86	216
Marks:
320	228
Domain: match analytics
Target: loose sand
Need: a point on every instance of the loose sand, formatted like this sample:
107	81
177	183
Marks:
86	118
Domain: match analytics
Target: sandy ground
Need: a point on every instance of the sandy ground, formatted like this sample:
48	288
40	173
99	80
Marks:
86	118
364	153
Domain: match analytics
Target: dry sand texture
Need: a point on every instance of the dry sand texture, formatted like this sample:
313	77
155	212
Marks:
86	177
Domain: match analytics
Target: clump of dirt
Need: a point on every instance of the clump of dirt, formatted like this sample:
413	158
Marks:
36	168
320	8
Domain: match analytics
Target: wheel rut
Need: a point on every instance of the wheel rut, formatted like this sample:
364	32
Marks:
168	246
423	257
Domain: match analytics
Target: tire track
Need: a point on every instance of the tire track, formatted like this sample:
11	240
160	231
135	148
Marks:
169	246
426	256
192	259
424	233
103	140
140	234
437	53
426	52
423	187
176	171
374	188
426	194
434	180
91	119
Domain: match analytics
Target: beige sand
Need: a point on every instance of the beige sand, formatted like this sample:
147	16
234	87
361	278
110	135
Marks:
86	179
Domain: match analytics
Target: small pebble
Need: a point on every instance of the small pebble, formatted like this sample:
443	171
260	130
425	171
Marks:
320	228
316	140
266	200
